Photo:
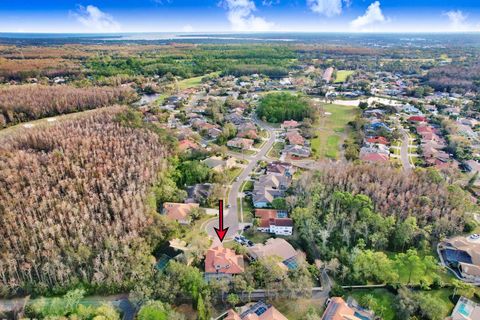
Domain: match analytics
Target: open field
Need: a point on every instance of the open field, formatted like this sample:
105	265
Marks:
342	75
194	82
331	130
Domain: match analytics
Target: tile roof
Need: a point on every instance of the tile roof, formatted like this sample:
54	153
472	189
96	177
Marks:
178	211
223	260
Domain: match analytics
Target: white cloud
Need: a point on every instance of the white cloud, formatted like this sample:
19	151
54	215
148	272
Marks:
187	28
372	16
458	20
95	19
241	17
327	8
269	3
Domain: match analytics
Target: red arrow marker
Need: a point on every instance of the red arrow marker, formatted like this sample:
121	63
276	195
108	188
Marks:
221	233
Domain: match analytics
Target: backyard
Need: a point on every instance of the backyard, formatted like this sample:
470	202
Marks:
332	129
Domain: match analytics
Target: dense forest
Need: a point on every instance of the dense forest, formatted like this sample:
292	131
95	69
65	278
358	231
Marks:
278	107
30	102
454	78
349	203
73	205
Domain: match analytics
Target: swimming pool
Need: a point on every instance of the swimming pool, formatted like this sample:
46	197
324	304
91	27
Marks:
464	310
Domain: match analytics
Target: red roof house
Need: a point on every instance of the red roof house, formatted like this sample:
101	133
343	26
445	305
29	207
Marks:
186	144
378	140
374	157
417	119
223	260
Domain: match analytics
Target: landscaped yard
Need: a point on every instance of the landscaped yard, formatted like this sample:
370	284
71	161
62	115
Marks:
247	186
342	75
234	172
331	130
383	298
247	210
299	308
256	237
276	150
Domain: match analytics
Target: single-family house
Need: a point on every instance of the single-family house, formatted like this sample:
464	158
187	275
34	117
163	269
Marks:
280	167
465	309
240	143
274	221
417	119
276	247
278	226
249	134
463	254
378	140
296	151
222	262
377	126
257	311
374	157
293	137
218	164
187	145
338	309
214	133
408	108
179	211
290	124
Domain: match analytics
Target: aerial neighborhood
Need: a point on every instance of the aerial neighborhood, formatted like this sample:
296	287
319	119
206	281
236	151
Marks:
315	179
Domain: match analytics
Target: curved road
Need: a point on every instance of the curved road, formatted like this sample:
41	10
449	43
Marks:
231	214
407	165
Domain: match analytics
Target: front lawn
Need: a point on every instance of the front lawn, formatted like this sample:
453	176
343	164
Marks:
276	150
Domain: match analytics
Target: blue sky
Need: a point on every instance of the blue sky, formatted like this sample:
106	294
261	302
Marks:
64	16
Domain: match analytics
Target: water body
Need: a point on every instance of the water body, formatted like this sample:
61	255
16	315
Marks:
420	40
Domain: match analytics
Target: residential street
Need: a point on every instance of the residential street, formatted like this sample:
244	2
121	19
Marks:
404	151
231	214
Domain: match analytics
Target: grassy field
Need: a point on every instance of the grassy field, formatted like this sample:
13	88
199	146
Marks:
342	75
331	129
194	82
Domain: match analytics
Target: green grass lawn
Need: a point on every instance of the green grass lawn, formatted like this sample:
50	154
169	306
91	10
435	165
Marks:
298	308
331	130
247	210
383	298
256	237
276	150
247	186
232	173
332	147
160	99
342	75
194	82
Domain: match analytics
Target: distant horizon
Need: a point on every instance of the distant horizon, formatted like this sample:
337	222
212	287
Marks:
240	33
100	16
